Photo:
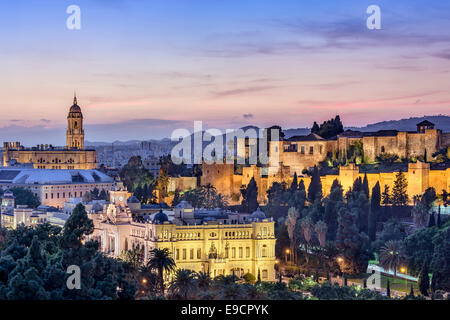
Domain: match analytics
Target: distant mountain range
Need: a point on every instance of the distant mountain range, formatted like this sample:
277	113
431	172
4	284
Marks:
441	122
122	143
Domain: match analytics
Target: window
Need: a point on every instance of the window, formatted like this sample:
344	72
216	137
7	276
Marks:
241	253
191	256
177	254
382	149
233	253
264	274
199	253
184	254
302	150
264	251
247	252
290	148
320	149
311	150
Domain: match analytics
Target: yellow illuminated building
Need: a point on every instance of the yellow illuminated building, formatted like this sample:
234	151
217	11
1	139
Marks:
217	242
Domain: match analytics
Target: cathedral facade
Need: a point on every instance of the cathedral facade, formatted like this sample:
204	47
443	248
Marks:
72	156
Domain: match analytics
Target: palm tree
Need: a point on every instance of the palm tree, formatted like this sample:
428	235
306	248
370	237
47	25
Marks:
148	282
291	221
391	255
307	228
134	257
183	284
231	292
203	280
321	229
161	261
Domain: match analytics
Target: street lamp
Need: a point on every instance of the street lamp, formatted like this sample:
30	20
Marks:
287	252
405	271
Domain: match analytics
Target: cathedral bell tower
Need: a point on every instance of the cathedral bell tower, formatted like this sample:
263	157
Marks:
75	132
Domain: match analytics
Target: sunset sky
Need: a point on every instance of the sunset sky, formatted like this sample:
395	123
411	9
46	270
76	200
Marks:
144	68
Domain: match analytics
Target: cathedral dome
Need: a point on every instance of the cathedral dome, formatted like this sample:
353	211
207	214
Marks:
75	108
160	217
258	215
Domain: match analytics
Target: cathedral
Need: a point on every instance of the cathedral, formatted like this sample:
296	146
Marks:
72	156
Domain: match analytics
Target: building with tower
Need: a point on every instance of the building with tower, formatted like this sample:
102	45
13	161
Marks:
217	242
72	156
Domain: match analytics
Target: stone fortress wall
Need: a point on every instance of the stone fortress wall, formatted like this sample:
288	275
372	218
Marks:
419	177
298	153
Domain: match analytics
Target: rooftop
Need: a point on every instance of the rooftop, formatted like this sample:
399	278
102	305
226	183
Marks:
45	176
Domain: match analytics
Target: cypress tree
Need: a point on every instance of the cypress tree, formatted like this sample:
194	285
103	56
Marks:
374	210
431	222
399	194
294	184
145	193
301	186
138	193
365	283
424	280
439	222
335	184
386	197
357	186
365	186
250	197
388	289
434	277
315	187
411	293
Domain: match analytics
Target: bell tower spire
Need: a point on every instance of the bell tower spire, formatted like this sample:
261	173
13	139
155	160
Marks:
75	131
